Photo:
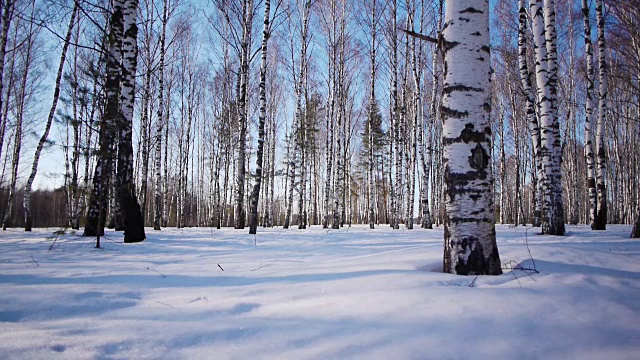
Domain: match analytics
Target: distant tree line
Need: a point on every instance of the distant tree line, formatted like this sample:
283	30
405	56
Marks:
301	113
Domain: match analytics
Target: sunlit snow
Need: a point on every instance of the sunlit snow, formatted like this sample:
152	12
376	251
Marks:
201	293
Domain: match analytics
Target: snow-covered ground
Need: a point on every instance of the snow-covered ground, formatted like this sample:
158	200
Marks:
202	293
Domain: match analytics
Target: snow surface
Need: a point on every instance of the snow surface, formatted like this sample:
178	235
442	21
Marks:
316	294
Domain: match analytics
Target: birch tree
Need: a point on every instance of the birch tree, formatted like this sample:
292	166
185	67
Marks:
129	205
301	114
7	9
470	238
529	95
588	122
255	194
395	124
342	123
424	138
157	218
242	99
26	53
97	211
372	108
601	215
52	111
434	122
329	21
543	25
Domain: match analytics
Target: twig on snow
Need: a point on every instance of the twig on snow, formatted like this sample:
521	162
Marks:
526	243
55	236
165	304
510	267
263	266
198	299
516	277
163	275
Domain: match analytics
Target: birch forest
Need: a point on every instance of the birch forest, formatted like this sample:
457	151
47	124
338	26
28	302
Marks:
140	115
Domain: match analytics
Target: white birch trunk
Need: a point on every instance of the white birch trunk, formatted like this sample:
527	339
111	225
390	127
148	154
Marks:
553	217
301	114
554	129
239	211
157	218
131	212
329	144
588	122
469	236
394	117
99	200
601	215
372	100
532	120
255	195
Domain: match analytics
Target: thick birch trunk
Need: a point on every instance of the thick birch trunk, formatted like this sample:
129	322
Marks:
553	217
556	159
104	168
469	236
131	212
635	232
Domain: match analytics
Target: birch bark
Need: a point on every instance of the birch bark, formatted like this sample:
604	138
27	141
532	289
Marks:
157	218
469	236
98	204
239	211
588	122
255	194
372	100
394	117
131	211
552	217
601	159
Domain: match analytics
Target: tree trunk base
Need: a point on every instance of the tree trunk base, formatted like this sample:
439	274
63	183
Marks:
28	224
635	233
133	220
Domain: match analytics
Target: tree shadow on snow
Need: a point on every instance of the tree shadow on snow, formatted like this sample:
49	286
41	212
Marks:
89	303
